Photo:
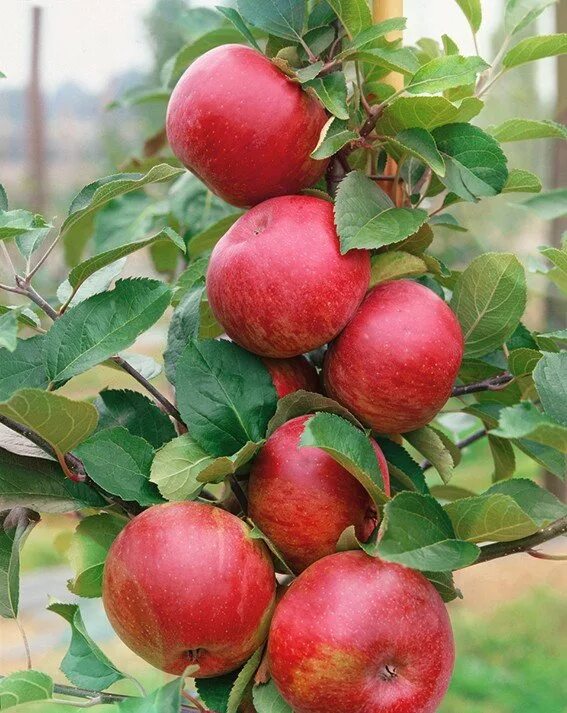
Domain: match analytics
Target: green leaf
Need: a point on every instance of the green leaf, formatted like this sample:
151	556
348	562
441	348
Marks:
305	74
331	91
234	16
525	421
208	238
405	473
534	48
521	13
472	10
445	72
88	550
520	181
99	282
374	36
558	273
98	194
145	365
136	413
15	526
444	584
550	376
419	143
300	403
166	699
3	196
120	463
475	163
24	687
434	445
97	328
525	129
334	136
40	485
394	265
84	663
549	205
489	300
350	447
24	316
28	229
266	697
190	277
61	422
426	113
354	16
446	220
9	330
503	457
507	511
83	271
225	395
138	96
223	694
283	18
418	533
391	58
366	217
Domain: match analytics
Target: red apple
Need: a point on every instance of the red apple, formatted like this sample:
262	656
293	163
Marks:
395	363
184	583
289	375
354	633
302	499
245	128
277	281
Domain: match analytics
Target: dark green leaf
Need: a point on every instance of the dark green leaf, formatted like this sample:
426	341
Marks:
15	526
503	457
283	18
223	694
225	395
332	93
550	376
419	143
234	16
355	17
104	324
434	446
405	473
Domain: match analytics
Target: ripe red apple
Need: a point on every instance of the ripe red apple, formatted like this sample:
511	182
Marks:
245	128
302	499
289	375
185	583
277	281
395	363
354	633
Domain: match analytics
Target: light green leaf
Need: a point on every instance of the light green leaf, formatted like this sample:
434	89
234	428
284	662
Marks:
332	93
225	395
306	74
526	422
136	413
15	526
550	376
166	699
334	136
24	687
9	330
283	18
523	361
266	697
234	16
520	181
534	48
366	217
433	445
208	238
558	273
40	485
472	10
350	447
28	229
446	220
61	422
419	143
394	265
103	325
525	129
84	663
549	205
390	57
355	17
489	300
426	113
373	36
503	457
120	463
445	72
521	13
88	550
176	466
475	163
418	533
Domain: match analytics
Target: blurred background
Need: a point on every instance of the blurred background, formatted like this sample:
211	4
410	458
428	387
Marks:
66	62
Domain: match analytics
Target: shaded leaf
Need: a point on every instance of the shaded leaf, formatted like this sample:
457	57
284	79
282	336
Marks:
432	444
15	526
550	376
300	403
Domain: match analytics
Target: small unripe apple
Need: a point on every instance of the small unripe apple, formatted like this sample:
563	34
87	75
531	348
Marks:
277	281
395	363
245	128
303	500
184	583
289	375
354	633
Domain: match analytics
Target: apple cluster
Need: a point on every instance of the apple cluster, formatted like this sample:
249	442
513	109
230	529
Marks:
188	583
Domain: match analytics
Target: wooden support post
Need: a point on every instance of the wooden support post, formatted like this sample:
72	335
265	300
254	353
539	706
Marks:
384	10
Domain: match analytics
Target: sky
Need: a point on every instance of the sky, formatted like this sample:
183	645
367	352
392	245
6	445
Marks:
90	41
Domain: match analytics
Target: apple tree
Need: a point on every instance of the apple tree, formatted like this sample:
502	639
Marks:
273	515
